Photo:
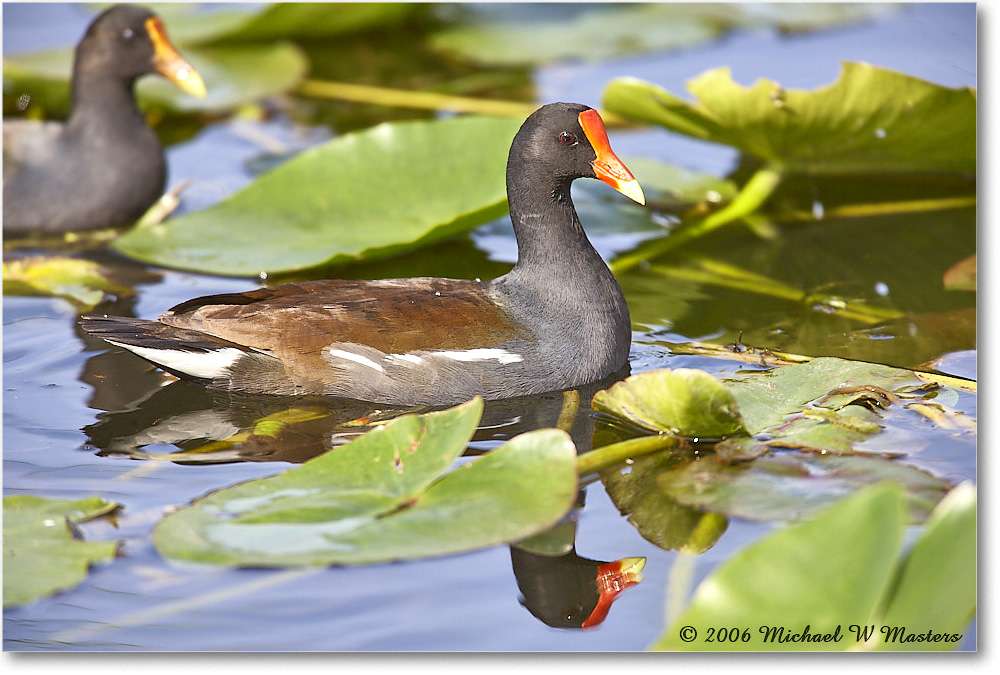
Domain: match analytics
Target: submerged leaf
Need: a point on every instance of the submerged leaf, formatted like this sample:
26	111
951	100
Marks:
367	194
871	120
792	486
382	497
658	518
41	554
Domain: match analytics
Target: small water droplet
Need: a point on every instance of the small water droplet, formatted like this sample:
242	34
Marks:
437	294
262	276
713	197
882	289
817	210
880	133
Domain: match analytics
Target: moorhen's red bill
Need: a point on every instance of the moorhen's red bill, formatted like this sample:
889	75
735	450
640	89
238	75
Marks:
557	320
105	166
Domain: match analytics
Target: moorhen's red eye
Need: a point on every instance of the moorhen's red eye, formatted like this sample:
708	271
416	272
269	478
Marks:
566	138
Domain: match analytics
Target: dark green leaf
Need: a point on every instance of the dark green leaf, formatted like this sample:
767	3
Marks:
41	555
363	195
658	518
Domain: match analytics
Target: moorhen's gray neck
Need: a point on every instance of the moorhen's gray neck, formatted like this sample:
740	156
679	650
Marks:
102	99
551	241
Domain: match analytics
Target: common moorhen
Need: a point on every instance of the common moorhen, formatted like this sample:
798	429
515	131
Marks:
557	320
105	166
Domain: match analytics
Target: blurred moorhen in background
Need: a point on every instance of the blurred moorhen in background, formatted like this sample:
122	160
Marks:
105	166
557	320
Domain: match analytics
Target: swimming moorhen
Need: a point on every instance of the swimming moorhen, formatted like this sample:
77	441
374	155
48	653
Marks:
105	166
557	320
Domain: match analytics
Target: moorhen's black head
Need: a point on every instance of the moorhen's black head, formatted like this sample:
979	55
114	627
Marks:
561	142
126	42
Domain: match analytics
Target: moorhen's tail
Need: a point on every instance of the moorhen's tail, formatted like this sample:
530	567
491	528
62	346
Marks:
189	354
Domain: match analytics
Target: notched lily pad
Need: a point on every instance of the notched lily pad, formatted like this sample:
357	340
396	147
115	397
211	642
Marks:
575	33
683	402
385	496
363	195
42	552
871	120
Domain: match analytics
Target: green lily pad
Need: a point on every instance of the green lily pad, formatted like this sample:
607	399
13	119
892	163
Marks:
83	282
42	553
683	402
234	75
837	583
766	399
936	591
267	22
827	574
364	195
385	496
658	518
793	486
576	33
871	120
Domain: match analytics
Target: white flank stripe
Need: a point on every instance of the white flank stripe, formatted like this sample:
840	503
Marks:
501	355
357	358
412	358
199	364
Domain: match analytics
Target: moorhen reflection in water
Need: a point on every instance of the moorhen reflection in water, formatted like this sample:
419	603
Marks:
190	424
567	591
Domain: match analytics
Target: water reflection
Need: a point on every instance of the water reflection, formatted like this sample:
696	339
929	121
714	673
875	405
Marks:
146	416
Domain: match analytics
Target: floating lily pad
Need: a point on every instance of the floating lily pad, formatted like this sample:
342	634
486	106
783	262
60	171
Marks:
363	195
827	574
385	496
83	282
570	32
266	22
683	402
234	75
765	399
871	120
42	554
792	486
